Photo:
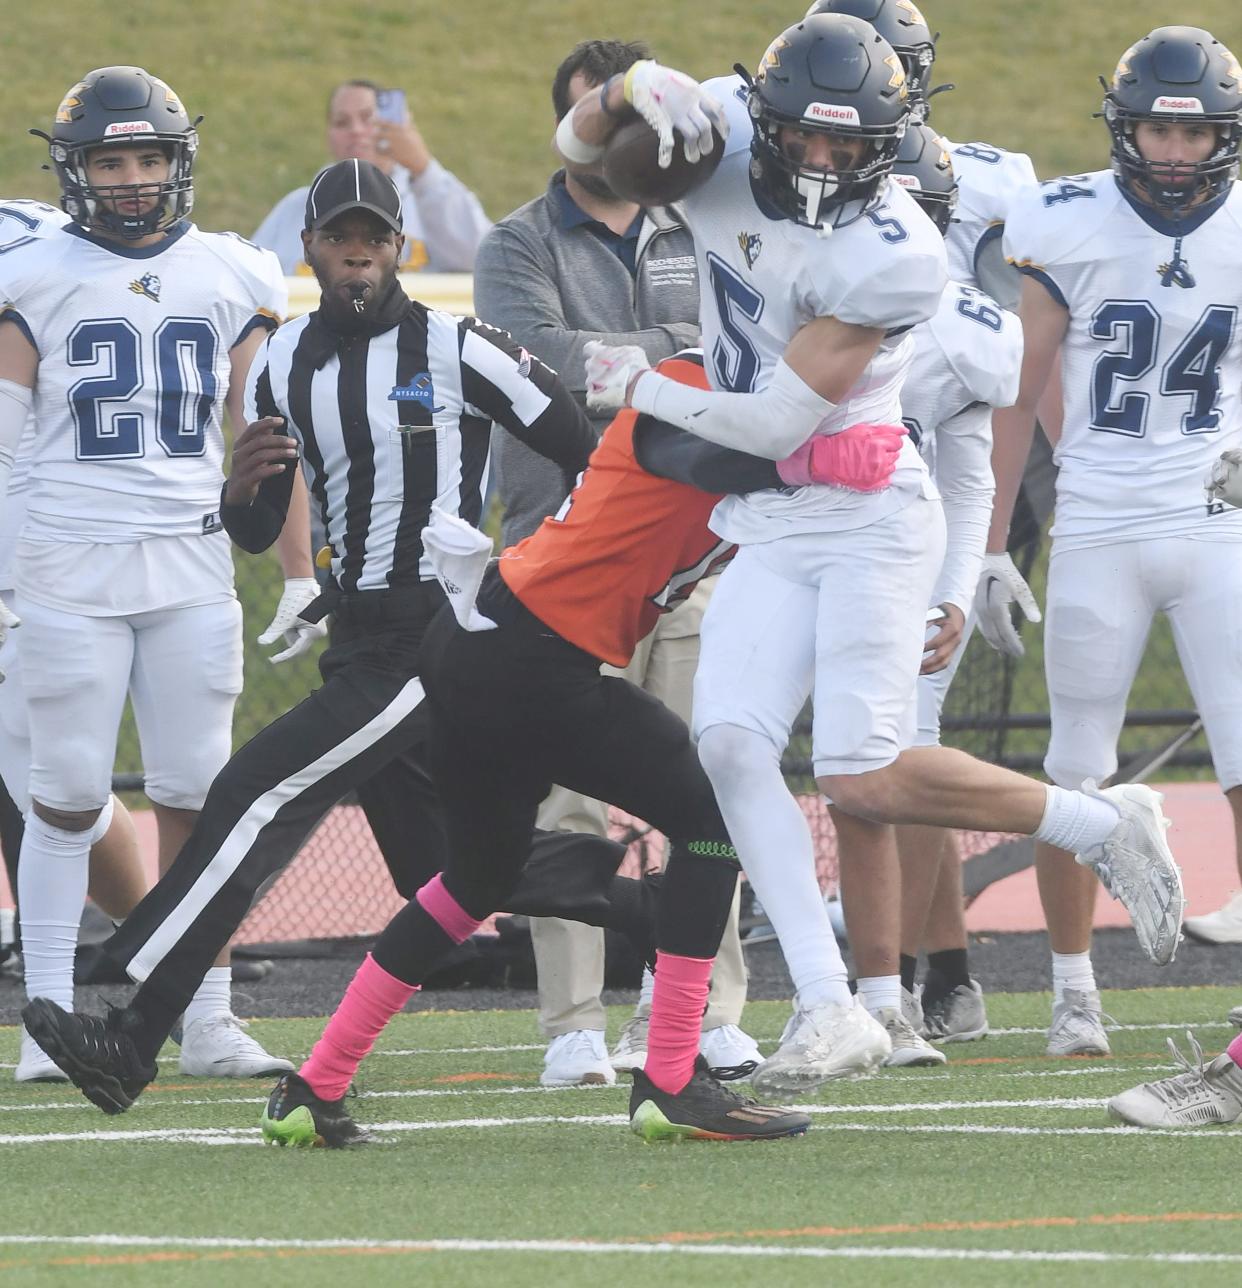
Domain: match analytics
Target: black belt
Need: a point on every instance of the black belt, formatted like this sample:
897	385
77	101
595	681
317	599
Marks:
400	604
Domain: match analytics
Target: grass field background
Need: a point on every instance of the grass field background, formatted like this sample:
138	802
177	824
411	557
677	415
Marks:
1003	1165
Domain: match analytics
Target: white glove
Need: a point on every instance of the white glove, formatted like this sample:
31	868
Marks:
1000	585
1224	483
298	634
9	621
669	100
609	370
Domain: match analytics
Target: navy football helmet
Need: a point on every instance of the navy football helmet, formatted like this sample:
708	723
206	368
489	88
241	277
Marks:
113	105
1182	75
900	23
924	170
833	75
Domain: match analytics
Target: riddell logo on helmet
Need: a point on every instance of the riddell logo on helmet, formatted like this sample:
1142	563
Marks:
1171	103
835	112
128	127
905	180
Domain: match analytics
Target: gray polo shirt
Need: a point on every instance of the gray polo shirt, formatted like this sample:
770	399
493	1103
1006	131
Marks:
555	278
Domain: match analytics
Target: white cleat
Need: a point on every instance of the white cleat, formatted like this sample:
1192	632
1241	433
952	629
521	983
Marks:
959	1016
730	1052
1136	866
629	1051
909	1049
218	1046
1078	1025
35	1066
1196	1097
1224	926
821	1043
912	1008
577	1059
1235	1017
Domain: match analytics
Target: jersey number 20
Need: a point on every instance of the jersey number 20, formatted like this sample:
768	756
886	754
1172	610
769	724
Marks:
184	361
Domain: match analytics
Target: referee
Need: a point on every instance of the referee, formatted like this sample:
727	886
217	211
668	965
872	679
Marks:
390	406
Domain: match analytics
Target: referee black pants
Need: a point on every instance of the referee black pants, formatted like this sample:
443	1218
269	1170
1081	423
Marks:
275	789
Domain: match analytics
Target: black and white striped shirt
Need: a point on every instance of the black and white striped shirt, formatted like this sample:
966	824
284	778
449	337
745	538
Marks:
392	423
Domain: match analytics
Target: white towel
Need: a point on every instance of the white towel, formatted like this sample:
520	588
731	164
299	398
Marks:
459	554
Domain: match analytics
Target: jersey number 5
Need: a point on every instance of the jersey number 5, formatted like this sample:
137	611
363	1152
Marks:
184	359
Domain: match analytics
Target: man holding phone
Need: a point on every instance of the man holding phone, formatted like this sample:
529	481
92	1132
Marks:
444	221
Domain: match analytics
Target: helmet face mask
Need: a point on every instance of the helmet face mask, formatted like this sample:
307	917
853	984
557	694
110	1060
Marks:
1176	75
835	76
123	106
924	170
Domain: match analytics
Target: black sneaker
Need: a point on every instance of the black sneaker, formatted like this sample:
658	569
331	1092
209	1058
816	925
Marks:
295	1116
99	1055
705	1109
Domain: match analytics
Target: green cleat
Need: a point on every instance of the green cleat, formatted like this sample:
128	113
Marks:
705	1109
295	1116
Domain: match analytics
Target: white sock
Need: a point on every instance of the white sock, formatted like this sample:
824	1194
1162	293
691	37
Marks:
645	993
880	992
51	891
1071	970
1074	821
213	997
773	842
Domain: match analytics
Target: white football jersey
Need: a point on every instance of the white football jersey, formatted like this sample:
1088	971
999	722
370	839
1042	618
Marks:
1152	360
21	221
133	369
967	361
988	181
762	278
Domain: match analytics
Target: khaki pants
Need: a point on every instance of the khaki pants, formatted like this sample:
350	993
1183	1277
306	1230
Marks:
569	956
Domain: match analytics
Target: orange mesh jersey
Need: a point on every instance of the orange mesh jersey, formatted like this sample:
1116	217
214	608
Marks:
625	547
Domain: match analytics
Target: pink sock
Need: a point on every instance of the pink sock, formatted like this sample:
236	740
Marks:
677	1007
451	917
1234	1050
371	1000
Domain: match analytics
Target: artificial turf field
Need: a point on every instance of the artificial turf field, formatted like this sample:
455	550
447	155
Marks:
1002	1166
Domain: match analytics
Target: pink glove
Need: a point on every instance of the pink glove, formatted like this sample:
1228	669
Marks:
861	458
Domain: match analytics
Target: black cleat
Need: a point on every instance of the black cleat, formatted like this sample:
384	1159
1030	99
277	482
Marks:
295	1116
99	1055
705	1109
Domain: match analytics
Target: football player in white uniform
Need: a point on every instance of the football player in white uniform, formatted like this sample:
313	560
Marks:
117	880
126	331
1134	272
814	270
988	179
966	362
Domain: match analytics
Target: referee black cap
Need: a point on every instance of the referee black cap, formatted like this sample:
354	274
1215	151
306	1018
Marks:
352	185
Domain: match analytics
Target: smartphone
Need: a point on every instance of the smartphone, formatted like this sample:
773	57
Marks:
390	105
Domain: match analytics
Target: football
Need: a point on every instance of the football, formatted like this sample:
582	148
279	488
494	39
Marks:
632	172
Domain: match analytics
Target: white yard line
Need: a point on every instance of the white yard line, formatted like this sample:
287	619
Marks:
581	1248
250	1136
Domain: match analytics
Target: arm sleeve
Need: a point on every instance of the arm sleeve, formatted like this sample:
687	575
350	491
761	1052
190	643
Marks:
452	217
515	287
672	453
501	380
256	526
770	423
964	478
